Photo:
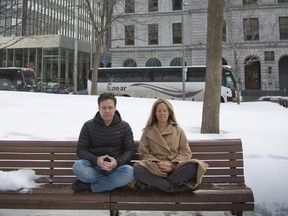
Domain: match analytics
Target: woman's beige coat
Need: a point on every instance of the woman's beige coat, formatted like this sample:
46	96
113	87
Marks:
172	145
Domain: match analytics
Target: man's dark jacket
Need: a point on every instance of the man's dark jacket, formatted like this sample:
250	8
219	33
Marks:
96	139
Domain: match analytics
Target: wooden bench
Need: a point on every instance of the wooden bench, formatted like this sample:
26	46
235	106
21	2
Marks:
223	187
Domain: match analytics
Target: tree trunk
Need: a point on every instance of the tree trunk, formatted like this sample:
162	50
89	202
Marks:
237	74
95	67
212	94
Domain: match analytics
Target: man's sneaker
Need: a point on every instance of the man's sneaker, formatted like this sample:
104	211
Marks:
79	186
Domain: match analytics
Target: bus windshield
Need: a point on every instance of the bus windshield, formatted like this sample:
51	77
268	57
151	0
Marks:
228	79
29	78
8	79
17	79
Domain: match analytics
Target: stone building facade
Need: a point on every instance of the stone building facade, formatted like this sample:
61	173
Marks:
255	38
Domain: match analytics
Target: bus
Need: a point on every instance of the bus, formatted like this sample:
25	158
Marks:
18	79
161	82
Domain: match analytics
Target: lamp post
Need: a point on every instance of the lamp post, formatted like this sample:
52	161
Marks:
183	49
75	66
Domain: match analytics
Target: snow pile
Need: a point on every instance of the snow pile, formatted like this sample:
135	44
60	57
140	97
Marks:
23	180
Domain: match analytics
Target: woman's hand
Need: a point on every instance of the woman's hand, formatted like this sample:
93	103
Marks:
165	166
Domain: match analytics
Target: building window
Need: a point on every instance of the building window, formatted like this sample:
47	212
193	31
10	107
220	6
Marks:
224	33
177	62
269	56
251	29
177	33
153	62
153	34
129	6
153	5
129	35
249	2
130	63
283	28
176	5
282	1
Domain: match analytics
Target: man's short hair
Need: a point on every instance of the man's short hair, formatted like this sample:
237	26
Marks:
106	96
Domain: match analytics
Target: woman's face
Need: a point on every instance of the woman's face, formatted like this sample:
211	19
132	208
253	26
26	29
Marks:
162	112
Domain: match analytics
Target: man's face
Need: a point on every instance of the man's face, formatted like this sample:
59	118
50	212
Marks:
107	110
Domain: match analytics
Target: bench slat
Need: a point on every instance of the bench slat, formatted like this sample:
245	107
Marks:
38	149
215	156
37	143
63	164
218	156
38	156
55	205
52	196
184	207
223	194
219	179
53	202
214	197
47	171
35	164
231	172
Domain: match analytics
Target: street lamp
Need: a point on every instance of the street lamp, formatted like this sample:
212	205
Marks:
75	66
183	48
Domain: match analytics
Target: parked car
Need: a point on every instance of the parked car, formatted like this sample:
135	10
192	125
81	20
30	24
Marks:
79	92
56	90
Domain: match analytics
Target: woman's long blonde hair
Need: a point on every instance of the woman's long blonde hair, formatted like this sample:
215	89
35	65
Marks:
152	120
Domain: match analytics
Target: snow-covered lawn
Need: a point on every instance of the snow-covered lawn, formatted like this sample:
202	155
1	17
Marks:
261	125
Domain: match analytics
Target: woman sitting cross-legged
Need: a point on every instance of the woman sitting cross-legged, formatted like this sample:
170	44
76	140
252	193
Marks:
166	160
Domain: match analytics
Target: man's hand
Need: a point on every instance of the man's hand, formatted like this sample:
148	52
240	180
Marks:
106	163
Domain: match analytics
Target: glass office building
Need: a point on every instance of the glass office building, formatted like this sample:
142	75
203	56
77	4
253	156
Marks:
43	35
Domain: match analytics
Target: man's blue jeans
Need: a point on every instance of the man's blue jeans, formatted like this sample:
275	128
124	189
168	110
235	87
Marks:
103	180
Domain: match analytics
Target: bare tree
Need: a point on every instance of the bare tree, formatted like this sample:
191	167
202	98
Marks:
211	104
102	15
8	10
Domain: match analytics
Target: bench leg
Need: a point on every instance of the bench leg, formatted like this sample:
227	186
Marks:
114	213
237	213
